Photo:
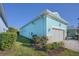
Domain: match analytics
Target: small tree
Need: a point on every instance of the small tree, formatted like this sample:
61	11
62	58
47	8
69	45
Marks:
7	40
10	29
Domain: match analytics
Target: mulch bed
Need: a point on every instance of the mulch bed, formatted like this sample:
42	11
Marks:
56	52
52	52
4	53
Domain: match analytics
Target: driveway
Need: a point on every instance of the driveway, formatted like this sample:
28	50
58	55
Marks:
72	44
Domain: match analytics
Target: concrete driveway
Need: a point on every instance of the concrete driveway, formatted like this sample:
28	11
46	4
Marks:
72	44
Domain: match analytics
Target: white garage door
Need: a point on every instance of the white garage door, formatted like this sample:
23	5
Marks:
58	35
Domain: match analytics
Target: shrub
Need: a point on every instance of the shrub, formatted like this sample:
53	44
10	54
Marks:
61	44
36	39
48	46
10	29
55	45
7	40
38	46
39	42
44	40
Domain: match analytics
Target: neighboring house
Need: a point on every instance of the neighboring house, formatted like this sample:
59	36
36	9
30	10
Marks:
48	24
73	33
3	24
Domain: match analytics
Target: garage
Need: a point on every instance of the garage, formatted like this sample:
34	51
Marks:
58	34
49	24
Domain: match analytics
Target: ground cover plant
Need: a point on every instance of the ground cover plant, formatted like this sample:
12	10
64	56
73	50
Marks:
23	47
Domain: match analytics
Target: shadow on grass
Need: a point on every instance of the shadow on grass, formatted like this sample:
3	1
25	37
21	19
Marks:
25	41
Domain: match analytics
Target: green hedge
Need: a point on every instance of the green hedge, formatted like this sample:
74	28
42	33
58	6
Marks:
39	42
7	40
55	45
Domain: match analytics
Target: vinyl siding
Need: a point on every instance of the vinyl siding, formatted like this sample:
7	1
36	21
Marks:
52	23
37	27
3	27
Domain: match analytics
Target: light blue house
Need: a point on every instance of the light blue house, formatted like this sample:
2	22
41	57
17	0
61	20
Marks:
3	24
48	24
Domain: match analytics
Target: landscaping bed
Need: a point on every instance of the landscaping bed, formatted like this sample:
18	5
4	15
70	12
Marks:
23	47
20	50
56	52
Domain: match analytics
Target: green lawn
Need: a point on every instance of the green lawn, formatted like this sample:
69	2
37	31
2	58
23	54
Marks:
68	52
22	48
27	51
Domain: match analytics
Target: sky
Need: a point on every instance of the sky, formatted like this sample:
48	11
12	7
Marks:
20	14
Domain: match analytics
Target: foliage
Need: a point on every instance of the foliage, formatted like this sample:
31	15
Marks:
61	44
7	40
36	39
54	45
38	46
21	50
27	51
44	40
48	46
23	39
39	42
68	52
10	29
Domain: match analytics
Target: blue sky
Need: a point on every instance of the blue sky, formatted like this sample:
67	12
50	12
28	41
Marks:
19	14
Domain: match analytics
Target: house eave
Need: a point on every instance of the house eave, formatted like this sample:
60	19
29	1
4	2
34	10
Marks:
2	15
36	18
47	13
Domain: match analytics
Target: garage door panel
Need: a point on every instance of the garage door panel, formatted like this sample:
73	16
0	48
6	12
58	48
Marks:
61	35
58	35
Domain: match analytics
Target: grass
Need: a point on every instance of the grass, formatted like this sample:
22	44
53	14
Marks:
22	48
27	51
68	52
